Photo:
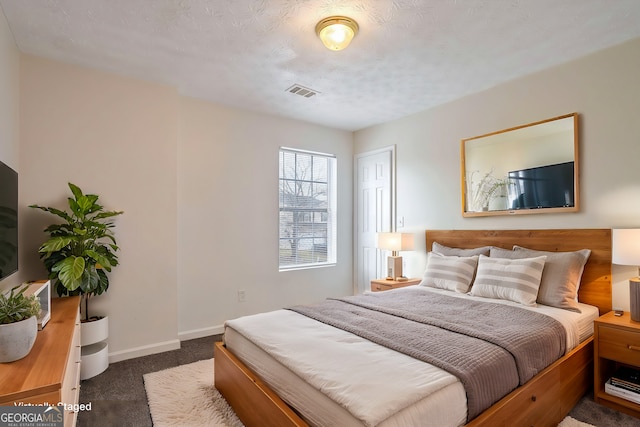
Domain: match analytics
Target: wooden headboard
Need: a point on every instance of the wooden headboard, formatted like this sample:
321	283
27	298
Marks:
595	288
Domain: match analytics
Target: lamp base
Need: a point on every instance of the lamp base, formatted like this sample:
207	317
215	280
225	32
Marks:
394	267
634	297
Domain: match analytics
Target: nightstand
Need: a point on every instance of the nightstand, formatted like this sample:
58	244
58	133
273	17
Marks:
616	343
385	285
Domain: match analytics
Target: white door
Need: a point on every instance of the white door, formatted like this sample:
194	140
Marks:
373	213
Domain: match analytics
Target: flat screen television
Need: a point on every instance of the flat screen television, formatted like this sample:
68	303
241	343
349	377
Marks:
8	221
548	186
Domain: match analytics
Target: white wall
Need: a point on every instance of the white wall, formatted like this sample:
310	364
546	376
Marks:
186	173
228	215
603	88
115	137
9	105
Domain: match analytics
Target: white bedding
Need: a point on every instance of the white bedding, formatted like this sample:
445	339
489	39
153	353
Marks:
336	378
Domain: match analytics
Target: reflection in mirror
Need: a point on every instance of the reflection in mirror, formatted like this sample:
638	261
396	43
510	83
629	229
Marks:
523	170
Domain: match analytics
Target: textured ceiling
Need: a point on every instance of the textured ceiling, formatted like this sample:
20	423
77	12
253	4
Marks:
409	55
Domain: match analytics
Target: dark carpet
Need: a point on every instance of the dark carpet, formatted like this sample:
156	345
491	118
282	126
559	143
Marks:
118	396
590	412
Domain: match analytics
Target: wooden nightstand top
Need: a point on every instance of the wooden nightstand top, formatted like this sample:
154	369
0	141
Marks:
408	282
385	285
623	321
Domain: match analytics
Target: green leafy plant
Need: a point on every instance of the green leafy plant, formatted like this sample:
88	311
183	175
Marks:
81	250
16	306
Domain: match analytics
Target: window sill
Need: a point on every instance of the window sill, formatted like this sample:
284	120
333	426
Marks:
306	266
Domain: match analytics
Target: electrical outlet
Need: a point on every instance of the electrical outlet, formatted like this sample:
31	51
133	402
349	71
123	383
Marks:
242	296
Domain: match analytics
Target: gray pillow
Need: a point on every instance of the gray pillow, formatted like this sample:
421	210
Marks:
453	273
515	280
561	275
445	250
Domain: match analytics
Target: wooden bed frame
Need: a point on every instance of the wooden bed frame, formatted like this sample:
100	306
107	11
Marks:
543	401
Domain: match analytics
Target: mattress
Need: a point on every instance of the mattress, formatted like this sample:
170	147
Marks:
333	377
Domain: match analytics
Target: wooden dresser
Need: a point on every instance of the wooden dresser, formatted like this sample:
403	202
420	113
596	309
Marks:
50	373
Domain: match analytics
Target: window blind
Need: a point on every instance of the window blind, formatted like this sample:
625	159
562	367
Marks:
307	204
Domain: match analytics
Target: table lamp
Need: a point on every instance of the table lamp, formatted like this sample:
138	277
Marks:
626	251
395	242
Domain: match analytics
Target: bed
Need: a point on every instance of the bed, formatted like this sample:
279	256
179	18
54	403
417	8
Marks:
248	379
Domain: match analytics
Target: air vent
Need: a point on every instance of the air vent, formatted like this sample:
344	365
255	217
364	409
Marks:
302	91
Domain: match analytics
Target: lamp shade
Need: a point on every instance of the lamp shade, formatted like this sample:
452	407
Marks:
336	32
395	241
626	246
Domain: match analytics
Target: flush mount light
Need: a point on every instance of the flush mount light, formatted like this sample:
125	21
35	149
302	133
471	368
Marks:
336	32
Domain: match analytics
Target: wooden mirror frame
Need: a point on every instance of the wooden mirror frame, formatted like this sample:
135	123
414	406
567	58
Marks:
515	132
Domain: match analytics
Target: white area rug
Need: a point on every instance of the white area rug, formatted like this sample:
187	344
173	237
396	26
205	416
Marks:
184	396
570	422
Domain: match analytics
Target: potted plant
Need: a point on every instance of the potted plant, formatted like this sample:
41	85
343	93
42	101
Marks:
82	249
78	255
18	323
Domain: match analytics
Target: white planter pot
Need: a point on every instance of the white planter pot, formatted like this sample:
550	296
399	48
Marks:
95	360
95	350
17	339
94	331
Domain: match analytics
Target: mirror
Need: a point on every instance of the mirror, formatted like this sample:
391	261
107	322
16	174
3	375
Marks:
527	169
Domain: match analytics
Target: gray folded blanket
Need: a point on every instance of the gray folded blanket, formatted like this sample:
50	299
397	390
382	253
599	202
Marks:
491	348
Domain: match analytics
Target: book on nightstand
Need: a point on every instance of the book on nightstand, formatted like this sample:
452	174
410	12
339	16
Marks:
625	383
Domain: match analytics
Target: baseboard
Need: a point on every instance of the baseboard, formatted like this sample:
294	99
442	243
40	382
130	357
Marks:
145	350
199	333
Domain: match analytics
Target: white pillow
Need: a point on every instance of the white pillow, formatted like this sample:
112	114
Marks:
449	272
510	279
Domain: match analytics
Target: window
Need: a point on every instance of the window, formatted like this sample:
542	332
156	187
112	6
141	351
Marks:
307	209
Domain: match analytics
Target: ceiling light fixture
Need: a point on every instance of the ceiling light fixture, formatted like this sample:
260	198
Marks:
336	32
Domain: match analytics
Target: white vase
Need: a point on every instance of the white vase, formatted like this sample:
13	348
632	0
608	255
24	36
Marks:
498	203
17	339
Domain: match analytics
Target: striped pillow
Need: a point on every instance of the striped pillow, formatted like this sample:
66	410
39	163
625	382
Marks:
510	279
561	275
449	272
